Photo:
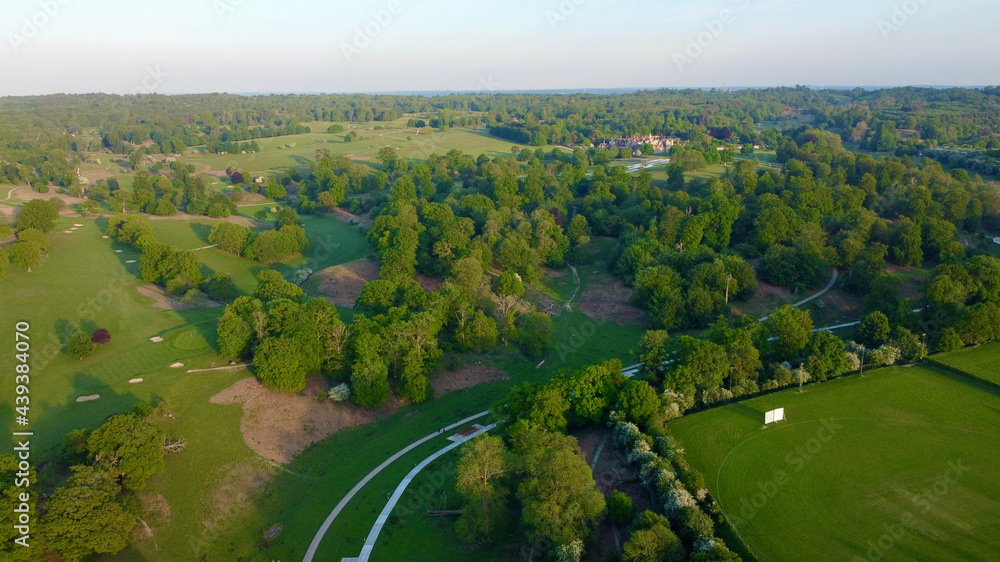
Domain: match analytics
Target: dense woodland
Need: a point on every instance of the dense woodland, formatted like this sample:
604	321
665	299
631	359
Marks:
868	180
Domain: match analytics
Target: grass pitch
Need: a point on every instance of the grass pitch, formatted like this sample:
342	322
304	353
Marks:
982	362
899	465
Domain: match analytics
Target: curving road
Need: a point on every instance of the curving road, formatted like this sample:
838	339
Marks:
833	281
366	550
314	545
376	529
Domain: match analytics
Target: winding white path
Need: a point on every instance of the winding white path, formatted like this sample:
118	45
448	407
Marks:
366	550
314	545
833	281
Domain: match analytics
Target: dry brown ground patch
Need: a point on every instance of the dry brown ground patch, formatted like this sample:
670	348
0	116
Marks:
542	302
341	284
279	425
345	216
467	376
165	301
607	298
231	489
429	284
155	508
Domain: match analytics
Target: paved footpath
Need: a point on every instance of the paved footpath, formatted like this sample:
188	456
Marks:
314	545
366	550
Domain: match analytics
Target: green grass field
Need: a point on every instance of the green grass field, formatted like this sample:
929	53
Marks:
331	242
905	456
983	361
298	150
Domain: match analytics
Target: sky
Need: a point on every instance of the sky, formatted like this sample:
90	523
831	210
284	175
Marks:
264	46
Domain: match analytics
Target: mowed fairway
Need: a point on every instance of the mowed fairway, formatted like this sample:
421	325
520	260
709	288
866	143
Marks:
983	361
904	467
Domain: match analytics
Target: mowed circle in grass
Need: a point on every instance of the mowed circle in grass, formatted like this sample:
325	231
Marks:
898	464
189	340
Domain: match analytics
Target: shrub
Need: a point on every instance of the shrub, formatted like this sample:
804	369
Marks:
340	393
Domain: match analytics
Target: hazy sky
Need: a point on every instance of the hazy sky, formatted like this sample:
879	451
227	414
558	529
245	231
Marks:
180	46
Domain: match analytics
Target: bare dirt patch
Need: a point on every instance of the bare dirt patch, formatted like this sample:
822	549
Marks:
279	425
767	290
555	273
429	284
345	216
341	284
155	508
607	298
164	301
231	490
542	302
468	376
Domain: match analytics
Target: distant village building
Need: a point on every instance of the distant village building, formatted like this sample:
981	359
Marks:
660	143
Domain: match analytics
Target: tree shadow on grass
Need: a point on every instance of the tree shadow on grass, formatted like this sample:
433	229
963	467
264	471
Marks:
747	412
201	231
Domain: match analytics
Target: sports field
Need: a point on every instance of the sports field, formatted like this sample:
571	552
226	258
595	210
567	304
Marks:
898	465
983	361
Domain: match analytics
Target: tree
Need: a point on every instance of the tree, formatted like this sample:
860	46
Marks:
478	335
271	286
229	237
827	356
278	361
651	540
535	333
483	464
659	290
79	345
638	401
801	376
620	510
37	214
221	287
559	497
34	236
948	340
792	328
25	255
100	336
654	352
10	499
87	516
369	371
874	329
128	447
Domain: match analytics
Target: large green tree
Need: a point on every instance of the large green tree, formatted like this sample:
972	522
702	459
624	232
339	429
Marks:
89	515
484	464
559	498
128	447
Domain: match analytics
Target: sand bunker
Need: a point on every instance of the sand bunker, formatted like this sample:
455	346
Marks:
105	236
118	251
78	225
90	398
156	339
176	365
67	232
135	381
129	261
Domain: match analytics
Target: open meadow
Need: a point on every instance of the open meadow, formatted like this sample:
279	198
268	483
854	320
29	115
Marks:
898	465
